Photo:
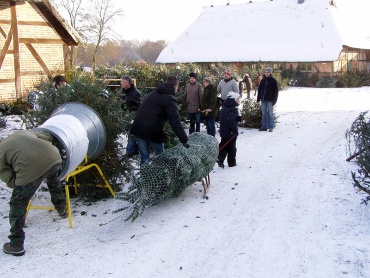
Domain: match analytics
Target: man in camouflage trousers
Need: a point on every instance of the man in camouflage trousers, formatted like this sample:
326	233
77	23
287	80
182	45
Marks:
26	159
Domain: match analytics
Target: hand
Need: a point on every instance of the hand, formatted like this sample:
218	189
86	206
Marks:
208	110
186	145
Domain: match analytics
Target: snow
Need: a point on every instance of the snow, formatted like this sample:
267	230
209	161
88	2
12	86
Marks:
280	31
289	209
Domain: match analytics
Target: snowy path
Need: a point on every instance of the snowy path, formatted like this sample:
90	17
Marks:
287	210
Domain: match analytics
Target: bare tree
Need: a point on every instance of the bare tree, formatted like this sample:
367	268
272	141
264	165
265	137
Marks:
75	12
99	26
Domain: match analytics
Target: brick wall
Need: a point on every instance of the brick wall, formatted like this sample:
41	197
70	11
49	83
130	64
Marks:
32	72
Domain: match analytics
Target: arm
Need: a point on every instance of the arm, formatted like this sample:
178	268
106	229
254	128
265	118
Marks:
276	93
235	87
7	174
219	88
213	99
231	120
173	117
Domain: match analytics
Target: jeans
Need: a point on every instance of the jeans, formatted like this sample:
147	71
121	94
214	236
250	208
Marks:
144	149
267	114
132	147
21	196
194	119
210	125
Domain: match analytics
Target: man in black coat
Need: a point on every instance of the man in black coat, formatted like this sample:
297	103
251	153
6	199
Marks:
132	100
268	92
158	107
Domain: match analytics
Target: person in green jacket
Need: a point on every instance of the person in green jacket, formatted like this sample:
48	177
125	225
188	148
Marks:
208	105
26	159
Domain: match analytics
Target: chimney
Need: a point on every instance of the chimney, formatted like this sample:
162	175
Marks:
300	1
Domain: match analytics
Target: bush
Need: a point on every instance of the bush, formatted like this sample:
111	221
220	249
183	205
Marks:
16	107
88	90
252	114
358	140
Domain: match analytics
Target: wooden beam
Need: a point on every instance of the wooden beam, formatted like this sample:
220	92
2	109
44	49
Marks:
2	32
22	22
7	80
33	73
17	60
38	59
40	41
4	51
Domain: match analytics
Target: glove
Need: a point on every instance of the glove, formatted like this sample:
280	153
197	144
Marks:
186	145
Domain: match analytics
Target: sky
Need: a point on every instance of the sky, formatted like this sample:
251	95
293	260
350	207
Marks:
161	19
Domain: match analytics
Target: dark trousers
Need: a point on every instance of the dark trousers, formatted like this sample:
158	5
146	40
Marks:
194	122
21	196
210	125
228	150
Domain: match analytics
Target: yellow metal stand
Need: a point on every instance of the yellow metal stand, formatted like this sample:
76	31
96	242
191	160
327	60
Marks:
81	168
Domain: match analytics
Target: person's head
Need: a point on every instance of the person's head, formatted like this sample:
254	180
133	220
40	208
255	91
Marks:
246	75
207	81
268	71
227	74
126	82
258	73
60	81
173	82
235	96
192	77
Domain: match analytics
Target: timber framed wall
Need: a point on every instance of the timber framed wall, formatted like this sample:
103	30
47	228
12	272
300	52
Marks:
30	49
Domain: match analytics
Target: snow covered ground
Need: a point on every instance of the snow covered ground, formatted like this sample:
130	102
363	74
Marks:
288	209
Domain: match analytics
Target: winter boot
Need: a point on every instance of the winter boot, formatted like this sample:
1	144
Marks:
220	164
15	249
262	129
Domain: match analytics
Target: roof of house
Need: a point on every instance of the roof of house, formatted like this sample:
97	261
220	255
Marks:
279	30
68	34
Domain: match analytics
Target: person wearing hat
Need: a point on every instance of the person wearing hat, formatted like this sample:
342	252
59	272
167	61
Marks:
226	85
229	130
208	105
193	97
268	92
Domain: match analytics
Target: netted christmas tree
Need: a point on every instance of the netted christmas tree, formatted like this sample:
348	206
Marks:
168	174
358	142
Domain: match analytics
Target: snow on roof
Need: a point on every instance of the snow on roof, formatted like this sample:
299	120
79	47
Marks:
280	30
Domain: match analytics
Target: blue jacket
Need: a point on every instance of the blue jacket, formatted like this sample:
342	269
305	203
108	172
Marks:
268	90
229	119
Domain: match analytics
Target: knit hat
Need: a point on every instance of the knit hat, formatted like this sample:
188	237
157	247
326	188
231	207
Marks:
233	95
228	72
268	69
192	74
208	80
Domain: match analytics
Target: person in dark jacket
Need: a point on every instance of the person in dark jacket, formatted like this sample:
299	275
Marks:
208	105
158	107
26	158
248	84
132	101
229	130
268	92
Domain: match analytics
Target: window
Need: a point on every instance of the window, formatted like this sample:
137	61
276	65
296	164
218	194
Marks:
305	67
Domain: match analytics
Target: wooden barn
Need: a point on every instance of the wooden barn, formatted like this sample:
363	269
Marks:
34	41
312	35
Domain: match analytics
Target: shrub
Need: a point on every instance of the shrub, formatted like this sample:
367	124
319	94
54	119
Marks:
16	107
358	140
88	90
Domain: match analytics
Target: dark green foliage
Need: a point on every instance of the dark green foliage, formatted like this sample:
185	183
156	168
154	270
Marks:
88	90
168	174
16	107
252	114
358	139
